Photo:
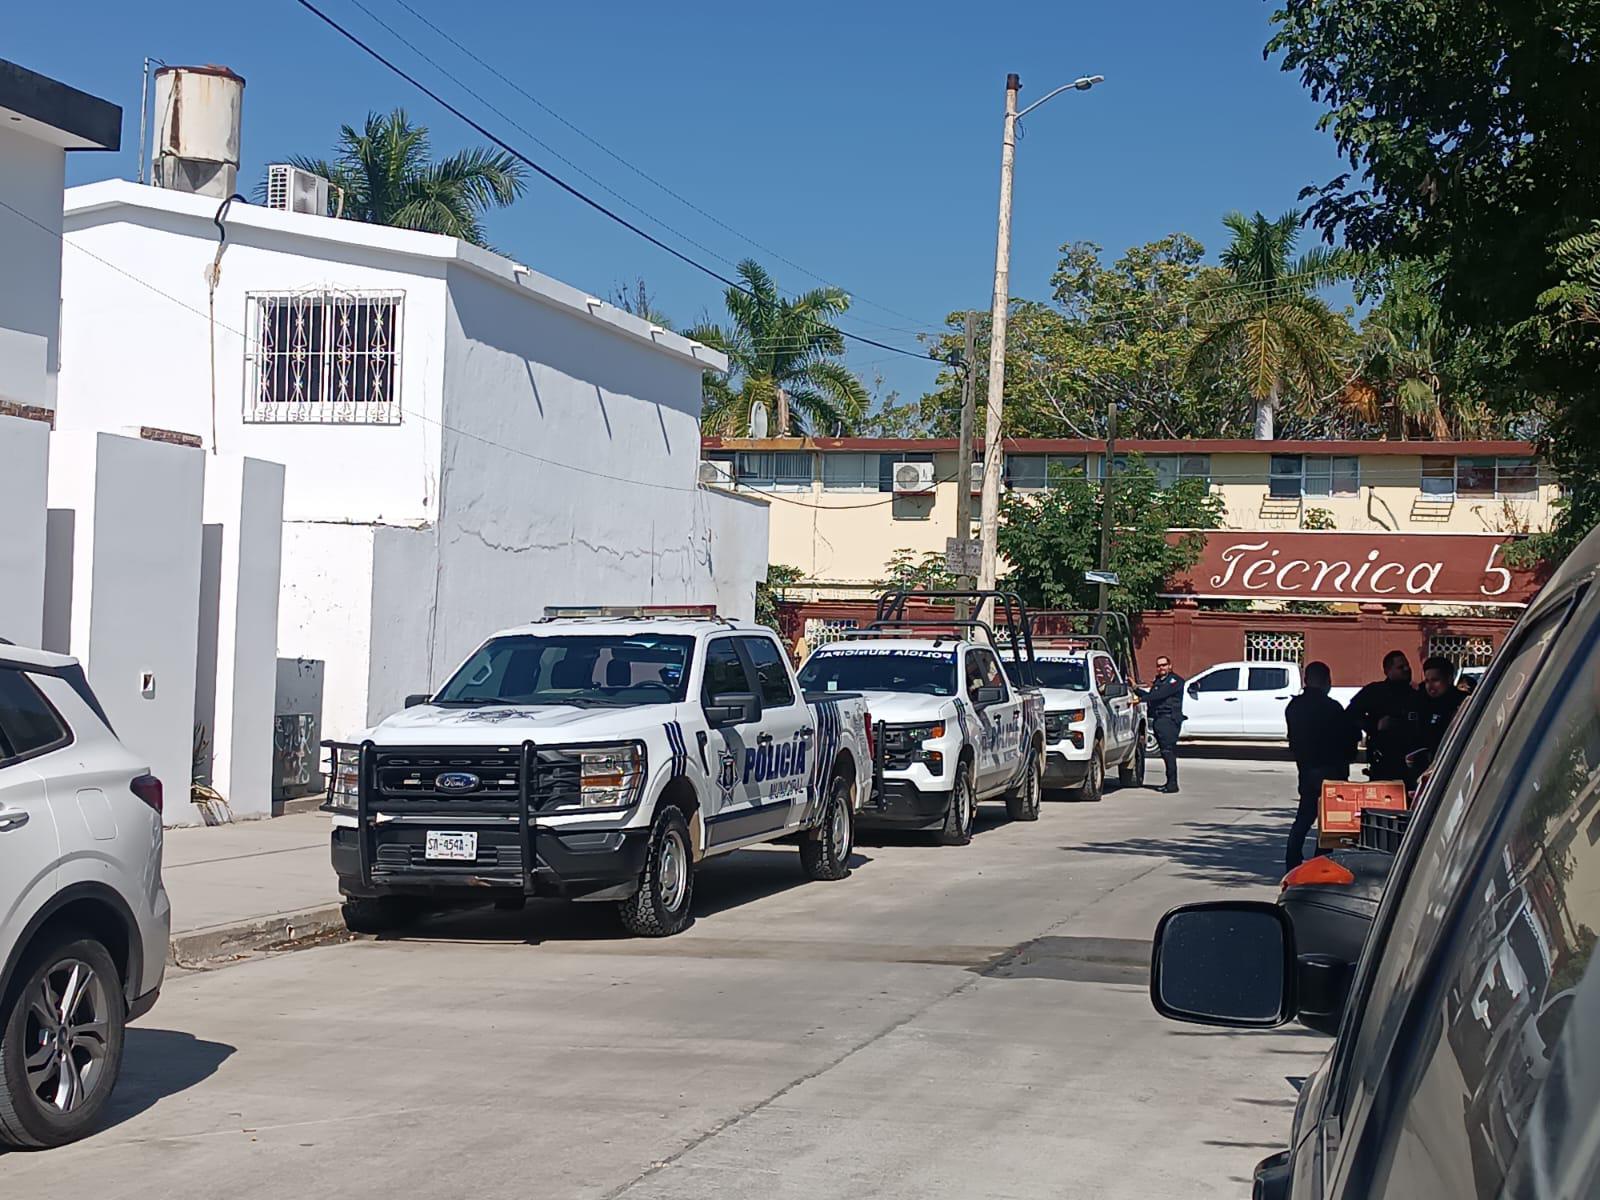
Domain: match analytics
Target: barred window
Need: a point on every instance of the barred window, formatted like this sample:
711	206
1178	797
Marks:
1463	649
323	358
1271	645
822	630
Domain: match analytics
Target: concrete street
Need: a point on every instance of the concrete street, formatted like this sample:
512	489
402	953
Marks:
945	1023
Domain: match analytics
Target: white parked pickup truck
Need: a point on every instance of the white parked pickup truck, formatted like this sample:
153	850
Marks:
597	755
954	727
1244	701
1092	719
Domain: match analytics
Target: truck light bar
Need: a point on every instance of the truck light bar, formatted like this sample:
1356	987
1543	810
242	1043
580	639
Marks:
577	611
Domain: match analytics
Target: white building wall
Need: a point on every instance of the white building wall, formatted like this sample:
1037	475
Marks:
135	515
739	551
575	485
24	474
32	175
144	332
325	608
244	513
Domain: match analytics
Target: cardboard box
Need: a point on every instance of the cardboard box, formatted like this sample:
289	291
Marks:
1339	813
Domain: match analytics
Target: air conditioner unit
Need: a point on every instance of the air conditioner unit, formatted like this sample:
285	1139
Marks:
716	474
913	478
289	189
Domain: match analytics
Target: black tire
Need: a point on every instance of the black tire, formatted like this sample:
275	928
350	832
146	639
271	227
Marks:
1094	783
660	908
963	809
30	1117
825	851
379	914
1022	803
1130	772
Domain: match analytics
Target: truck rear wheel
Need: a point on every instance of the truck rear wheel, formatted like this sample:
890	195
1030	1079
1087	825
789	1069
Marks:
1130	772
1022	803
958	817
825	852
660	907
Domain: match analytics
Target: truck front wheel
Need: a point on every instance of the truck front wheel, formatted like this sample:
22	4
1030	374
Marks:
1022	804
660	907
825	852
1094	781
959	816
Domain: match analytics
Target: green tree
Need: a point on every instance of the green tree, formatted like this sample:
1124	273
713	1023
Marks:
1119	333
389	178
783	354
1470	128
1051	538
771	590
908	569
1266	320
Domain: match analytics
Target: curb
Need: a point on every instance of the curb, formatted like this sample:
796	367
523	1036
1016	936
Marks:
242	937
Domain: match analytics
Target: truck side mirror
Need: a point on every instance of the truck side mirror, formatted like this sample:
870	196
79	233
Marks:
1115	690
417	698
988	695
733	708
1228	962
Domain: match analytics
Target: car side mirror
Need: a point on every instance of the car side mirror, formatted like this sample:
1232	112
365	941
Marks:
1229	962
418	698
733	708
985	696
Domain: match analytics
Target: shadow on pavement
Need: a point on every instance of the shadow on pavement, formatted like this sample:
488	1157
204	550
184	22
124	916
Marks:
1244	853
987	819
158	1063
723	883
1074	960
1238	751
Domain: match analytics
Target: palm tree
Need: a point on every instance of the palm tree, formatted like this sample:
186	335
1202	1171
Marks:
388	178
1266	320
783	355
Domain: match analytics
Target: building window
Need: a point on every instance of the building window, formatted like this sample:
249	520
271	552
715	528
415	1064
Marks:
774	468
849	471
1032	472
1487	476
821	631
1169	468
1294	475
1439	476
1272	645
323	358
1465	650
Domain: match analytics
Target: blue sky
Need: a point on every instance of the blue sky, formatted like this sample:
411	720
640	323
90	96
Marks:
857	140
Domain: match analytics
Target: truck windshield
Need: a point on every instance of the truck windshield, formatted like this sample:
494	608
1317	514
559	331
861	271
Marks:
601	670
1071	674
923	672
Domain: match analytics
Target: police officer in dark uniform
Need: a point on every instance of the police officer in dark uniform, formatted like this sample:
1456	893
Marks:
1165	698
1322	738
1437	702
1387	711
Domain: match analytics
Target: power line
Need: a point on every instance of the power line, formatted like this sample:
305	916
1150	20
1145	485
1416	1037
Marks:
576	193
647	177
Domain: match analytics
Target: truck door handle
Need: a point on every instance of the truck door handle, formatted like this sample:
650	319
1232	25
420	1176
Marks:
807	732
763	739
12	818
1230	699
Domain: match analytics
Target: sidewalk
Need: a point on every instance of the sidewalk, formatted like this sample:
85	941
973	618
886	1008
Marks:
243	886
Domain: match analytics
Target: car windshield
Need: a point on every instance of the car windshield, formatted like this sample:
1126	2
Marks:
1071	673
871	669
585	670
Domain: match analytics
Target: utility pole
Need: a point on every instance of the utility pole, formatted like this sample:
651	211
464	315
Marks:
1108	501
992	450
969	386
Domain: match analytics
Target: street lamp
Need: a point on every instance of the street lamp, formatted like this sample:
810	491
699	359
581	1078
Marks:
990	513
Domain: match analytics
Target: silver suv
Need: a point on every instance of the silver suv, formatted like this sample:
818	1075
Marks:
84	919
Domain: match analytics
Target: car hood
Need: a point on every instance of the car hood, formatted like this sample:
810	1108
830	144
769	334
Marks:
502	724
1056	699
903	708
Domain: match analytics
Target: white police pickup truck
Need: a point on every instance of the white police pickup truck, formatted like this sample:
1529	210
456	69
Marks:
952	727
597	755
1092	718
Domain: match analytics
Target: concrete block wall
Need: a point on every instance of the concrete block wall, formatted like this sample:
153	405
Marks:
24	474
242	550
124	597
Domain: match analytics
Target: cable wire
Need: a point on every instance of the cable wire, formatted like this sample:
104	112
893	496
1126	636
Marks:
575	192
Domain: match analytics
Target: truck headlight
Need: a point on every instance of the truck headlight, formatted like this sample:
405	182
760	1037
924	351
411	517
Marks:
610	776
917	734
344	777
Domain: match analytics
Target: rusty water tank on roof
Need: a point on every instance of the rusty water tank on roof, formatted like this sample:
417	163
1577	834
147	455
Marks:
197	130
